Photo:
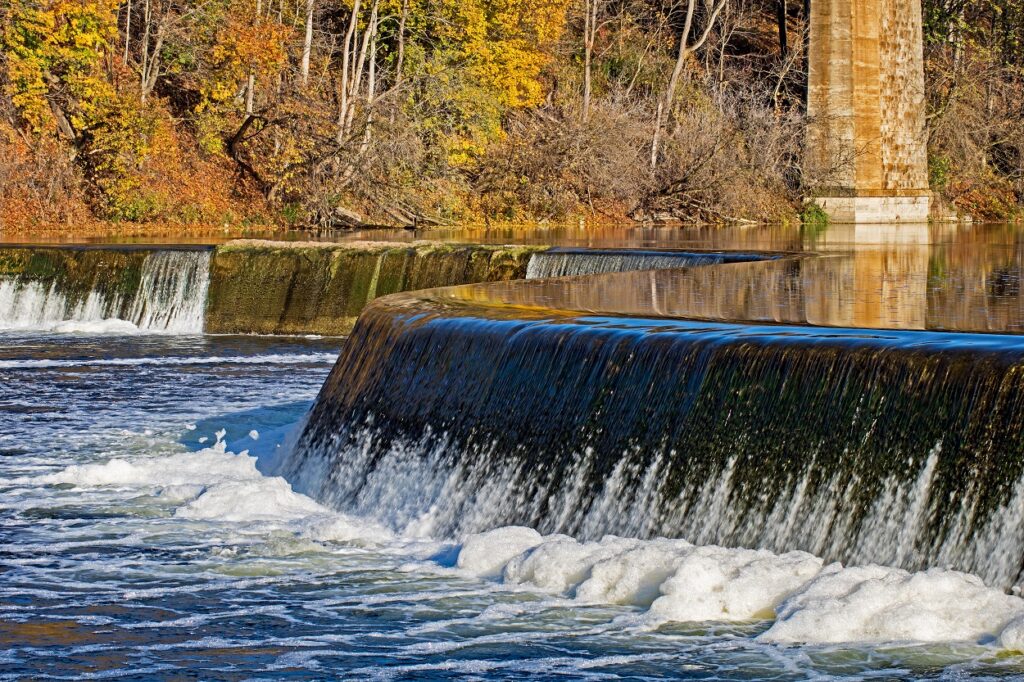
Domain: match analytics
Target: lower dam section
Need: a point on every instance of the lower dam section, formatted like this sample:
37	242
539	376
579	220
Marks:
788	403
242	287
265	287
861	405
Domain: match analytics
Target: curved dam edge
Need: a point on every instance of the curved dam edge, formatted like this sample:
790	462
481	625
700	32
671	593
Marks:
728	404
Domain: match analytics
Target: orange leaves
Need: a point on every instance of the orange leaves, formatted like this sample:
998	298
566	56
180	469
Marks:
246	44
54	50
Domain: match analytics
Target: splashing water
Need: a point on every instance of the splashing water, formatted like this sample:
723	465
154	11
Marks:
562	262
170	298
889	448
130	548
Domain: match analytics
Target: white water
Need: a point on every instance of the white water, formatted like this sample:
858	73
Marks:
675	581
666	581
158	561
425	488
171	298
269	359
577	263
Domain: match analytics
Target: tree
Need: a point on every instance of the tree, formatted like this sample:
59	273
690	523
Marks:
687	46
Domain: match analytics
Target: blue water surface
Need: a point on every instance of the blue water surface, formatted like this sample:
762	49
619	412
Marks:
177	561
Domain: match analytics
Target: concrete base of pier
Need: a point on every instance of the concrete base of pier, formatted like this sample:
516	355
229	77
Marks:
875	210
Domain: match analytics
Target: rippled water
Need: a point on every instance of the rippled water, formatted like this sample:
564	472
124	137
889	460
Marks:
135	543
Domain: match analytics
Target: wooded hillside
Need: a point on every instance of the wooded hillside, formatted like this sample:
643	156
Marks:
334	112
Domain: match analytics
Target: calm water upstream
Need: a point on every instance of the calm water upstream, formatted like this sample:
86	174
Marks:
138	543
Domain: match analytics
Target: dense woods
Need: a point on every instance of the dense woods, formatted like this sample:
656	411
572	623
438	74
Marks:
341	112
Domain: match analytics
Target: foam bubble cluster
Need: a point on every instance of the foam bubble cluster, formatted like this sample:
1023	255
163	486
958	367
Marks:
809	602
668	580
214	484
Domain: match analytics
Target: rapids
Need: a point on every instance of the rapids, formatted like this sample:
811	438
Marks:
141	540
809	504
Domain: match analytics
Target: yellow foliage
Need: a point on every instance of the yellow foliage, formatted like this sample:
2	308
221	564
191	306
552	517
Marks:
506	43
244	46
55	50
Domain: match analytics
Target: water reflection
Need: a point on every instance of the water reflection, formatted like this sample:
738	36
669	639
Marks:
906	277
939	276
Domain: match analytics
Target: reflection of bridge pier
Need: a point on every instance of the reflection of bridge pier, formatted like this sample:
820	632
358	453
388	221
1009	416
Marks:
877	279
867	144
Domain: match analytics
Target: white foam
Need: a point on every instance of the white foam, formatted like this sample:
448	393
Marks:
269	359
260	499
561	563
666	580
1012	636
108	326
217	485
205	467
679	582
485	554
634	576
883	604
719	584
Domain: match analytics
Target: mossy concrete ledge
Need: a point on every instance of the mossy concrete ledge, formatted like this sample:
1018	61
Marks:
76	273
267	287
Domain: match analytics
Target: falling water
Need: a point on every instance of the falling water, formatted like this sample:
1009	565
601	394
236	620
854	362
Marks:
574	262
898	448
169	295
172	295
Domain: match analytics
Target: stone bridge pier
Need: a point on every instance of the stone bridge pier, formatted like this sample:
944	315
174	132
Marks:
867	159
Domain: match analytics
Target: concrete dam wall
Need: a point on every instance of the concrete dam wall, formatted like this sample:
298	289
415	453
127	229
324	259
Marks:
728	404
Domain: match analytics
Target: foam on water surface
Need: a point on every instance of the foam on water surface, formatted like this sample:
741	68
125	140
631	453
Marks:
270	359
675	581
145	550
668	581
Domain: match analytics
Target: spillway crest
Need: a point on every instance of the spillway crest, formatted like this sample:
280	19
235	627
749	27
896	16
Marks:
566	262
896	448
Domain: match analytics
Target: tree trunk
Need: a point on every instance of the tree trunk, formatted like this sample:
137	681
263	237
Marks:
345	58
781	16
400	59
685	50
250	86
145	52
360	63
127	31
589	34
307	42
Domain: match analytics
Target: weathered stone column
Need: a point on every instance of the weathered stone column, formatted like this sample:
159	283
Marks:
867	158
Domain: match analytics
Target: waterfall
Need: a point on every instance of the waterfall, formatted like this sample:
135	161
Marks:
902	448
159	291
172	294
564	262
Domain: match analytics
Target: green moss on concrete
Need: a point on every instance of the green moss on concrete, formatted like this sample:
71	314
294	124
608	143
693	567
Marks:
75	273
306	288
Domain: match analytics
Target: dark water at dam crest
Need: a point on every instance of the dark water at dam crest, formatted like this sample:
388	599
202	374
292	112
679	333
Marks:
896	448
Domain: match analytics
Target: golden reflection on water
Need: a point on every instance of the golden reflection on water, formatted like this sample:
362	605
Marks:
44	633
883	277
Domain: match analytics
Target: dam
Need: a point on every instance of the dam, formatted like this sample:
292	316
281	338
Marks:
760	452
